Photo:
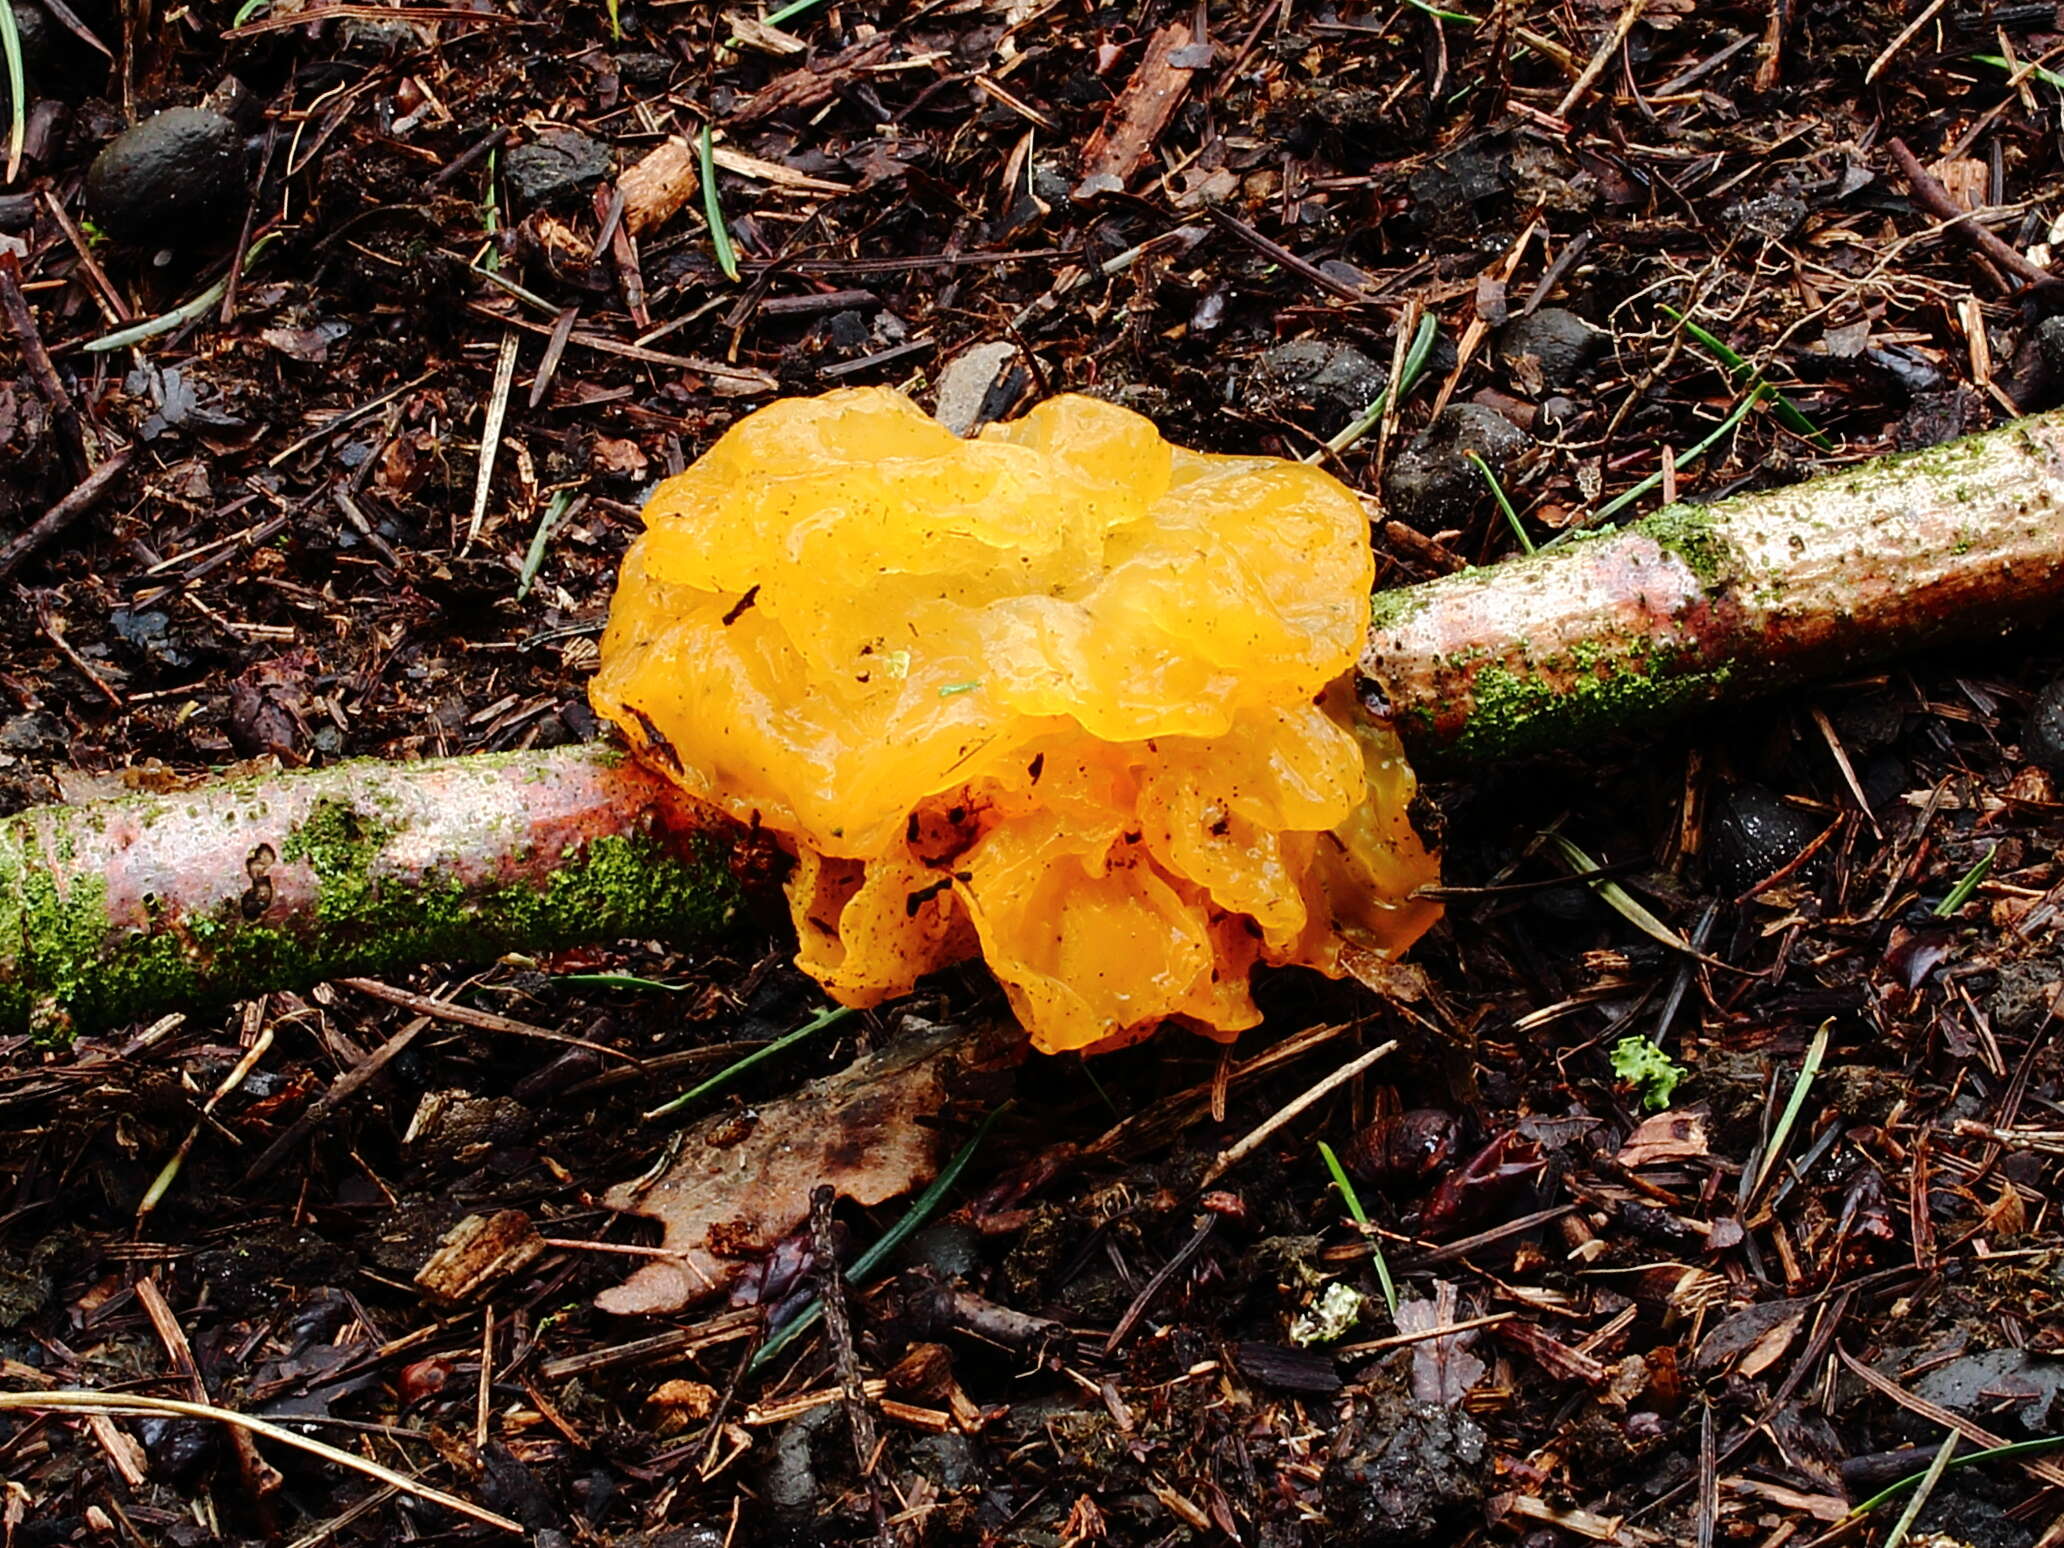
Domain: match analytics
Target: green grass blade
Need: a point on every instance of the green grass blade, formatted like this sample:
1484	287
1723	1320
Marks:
540	540
1788	413
730	1072
1922	1490
720	237
1892	1491
179	316
2042	73
1619	503
1415	362
1967	884
620	981
1618	898
1361	1218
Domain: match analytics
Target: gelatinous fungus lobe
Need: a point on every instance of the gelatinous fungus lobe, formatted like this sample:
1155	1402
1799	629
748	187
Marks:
1065	695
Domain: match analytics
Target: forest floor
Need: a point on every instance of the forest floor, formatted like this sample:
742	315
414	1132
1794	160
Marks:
1730	1321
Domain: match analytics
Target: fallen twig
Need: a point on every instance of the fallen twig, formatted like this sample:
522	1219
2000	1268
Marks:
1935	199
113	911
84	496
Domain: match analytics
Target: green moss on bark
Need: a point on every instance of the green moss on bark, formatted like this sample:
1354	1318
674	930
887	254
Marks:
64	966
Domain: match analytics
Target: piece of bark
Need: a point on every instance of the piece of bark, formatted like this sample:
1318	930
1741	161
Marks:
810	85
1696	603
117	910
1143	110
664	179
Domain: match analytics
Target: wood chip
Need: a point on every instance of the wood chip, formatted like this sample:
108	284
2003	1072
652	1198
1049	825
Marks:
477	1252
662	182
1149	101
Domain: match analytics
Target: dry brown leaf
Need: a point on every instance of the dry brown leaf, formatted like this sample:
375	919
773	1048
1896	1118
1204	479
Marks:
1665	1137
723	1205
1443	1369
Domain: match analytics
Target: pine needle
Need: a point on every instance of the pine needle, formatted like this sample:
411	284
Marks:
730	1072
75	1400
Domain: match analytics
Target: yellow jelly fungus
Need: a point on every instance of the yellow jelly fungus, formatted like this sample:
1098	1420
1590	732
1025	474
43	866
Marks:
1063	694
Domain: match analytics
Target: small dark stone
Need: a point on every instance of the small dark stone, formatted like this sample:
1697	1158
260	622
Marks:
2042	733
1910	371
1434	483
644	69
1754	833
179	1449
1941	416
1869	722
948	1460
1452	193
554	167
370	41
1773	217
1319	384
34	732
2010	1390
151	182
847	330
949	1250
1552	346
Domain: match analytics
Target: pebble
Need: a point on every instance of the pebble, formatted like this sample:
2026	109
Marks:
976	386
1554	342
2049	342
1412	1476
644	69
1433	482
2042	733
1754	833
1320	384
554	167
152	181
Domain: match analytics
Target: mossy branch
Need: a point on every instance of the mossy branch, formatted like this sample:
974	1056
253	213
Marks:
120	910
1695	603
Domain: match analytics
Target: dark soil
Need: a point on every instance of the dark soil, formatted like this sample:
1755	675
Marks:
1759	1315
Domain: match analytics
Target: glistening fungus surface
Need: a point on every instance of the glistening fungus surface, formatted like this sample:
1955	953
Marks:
1065	695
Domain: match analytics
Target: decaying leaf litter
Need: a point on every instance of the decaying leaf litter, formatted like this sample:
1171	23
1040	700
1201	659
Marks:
1128	1318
